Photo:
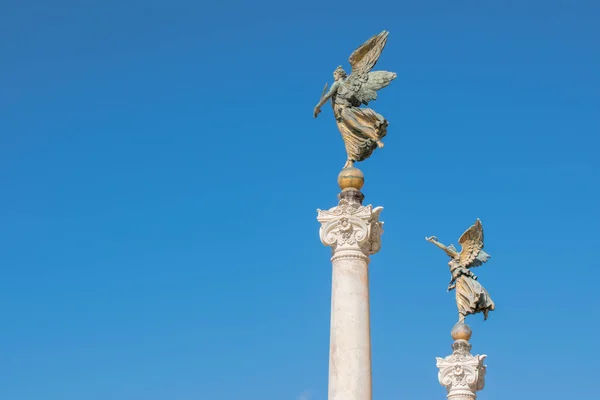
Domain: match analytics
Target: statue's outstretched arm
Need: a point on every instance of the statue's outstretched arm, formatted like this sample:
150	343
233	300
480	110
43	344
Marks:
326	97
451	252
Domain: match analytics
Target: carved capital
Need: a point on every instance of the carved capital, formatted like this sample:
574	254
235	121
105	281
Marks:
461	373
351	227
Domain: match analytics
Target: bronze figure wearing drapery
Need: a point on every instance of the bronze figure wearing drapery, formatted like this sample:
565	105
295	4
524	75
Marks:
471	297
362	128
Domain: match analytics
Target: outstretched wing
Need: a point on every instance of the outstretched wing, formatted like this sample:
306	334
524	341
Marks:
362	83
472	254
365	57
375	80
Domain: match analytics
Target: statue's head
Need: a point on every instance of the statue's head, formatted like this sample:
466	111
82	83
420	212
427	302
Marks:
339	73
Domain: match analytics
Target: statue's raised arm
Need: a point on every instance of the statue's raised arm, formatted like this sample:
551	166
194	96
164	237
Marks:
362	128
471	297
450	250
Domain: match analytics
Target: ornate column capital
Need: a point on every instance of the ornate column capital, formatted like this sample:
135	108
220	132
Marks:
462	373
351	227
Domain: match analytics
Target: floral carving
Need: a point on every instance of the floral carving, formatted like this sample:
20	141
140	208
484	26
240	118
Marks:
351	226
462	373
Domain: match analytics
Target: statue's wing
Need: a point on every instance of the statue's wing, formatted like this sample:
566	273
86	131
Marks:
375	80
365	57
472	254
362	83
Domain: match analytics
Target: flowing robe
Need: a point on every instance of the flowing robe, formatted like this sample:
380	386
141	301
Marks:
471	297
360	127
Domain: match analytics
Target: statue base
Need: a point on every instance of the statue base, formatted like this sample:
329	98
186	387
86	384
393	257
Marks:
351	180
351	177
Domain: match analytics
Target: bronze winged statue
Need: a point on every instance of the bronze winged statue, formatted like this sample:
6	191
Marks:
471	297
362	128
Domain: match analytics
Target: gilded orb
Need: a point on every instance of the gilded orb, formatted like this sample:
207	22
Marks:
461	331
351	178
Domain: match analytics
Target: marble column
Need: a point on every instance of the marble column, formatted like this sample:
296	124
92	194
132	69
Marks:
461	373
353	232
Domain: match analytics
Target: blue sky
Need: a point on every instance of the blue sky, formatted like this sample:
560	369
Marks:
161	171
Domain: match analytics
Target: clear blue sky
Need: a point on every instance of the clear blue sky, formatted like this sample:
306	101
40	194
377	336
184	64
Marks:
161	170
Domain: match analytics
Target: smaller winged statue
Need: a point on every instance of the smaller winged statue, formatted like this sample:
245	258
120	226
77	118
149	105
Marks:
362	128
471	297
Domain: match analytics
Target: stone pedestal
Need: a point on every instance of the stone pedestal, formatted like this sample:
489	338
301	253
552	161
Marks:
461	373
353	232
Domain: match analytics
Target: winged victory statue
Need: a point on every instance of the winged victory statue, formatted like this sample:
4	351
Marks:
471	297
362	128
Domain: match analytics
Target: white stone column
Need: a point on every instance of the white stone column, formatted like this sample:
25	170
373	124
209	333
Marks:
353	232
461	373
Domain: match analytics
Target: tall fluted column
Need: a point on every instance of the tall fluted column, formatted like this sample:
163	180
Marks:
462	373
353	232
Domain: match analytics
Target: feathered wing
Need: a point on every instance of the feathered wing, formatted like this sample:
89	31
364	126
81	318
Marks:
472	254
364	58
375	80
362	83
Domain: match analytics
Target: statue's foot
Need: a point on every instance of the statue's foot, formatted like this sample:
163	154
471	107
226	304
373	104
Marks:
379	144
349	164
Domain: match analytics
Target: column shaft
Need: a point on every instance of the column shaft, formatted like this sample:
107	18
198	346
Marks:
350	340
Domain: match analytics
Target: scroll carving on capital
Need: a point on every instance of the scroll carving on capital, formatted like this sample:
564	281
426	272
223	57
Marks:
351	226
462	373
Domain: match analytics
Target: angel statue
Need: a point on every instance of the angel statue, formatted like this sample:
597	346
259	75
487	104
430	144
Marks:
362	128
471	297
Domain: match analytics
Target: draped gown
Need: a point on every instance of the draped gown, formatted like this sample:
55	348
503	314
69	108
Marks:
358	126
471	297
